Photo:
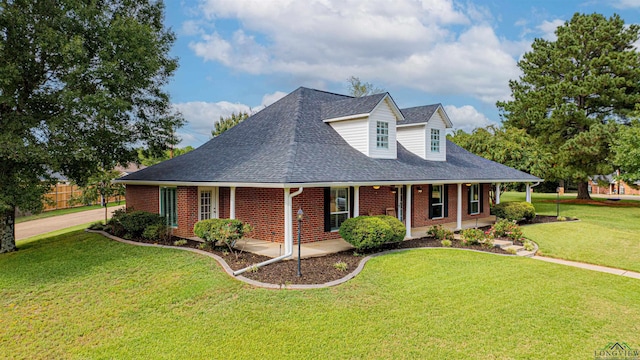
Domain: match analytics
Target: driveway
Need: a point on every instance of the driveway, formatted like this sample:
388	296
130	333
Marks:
43	226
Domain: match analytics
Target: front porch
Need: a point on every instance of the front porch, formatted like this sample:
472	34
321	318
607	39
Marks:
321	248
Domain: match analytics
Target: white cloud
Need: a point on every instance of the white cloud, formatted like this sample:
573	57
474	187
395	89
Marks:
626	4
466	117
548	29
269	99
418	44
201	116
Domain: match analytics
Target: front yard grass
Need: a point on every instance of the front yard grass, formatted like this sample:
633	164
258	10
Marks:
607	234
80	295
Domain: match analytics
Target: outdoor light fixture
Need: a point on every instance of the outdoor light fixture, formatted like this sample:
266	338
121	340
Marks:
376	187
393	190
468	184
420	189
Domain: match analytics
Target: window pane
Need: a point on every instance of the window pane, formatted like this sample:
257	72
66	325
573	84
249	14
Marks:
436	193
437	210
475	208
435	140
382	134
205	205
168	208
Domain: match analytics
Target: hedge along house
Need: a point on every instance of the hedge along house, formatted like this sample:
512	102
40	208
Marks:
334	157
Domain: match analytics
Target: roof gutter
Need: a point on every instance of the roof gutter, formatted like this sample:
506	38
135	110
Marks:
288	233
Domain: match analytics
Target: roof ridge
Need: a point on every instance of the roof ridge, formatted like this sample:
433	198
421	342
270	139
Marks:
327	92
292	146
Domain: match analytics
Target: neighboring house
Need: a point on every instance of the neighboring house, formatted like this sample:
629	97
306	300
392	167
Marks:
334	157
608	185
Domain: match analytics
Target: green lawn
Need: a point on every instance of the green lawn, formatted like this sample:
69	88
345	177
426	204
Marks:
605	235
51	213
80	295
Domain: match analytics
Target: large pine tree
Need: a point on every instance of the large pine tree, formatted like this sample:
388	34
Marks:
573	93
81	85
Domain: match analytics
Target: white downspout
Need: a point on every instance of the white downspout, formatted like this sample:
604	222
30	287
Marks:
407	213
459	208
529	187
288	231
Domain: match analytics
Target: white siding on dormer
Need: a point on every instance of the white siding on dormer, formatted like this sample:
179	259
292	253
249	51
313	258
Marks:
354	132
382	113
436	122
413	139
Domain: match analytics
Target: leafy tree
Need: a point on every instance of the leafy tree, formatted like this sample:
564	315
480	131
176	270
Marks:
148	160
572	93
509	146
227	123
627	152
100	186
81	84
358	88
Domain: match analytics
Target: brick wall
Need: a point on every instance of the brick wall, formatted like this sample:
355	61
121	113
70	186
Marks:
420	205
376	202
187	201
143	197
224	200
264	210
311	201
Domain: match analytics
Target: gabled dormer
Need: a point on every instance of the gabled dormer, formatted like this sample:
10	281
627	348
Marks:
367	123
423	131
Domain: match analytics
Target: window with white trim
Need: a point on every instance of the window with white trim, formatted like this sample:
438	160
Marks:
168	205
205	204
474	199
437	201
621	189
435	140
339	207
382	135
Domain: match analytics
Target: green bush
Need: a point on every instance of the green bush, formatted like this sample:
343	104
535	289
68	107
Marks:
399	230
157	232
445	243
132	224
473	236
515	211
439	232
366	232
226	231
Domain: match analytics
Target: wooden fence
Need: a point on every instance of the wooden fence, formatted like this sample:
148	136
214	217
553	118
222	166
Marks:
60	195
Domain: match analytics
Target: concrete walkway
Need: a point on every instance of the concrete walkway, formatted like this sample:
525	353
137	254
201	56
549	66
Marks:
598	268
42	226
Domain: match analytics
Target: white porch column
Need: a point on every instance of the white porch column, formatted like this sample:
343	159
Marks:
528	193
459	208
356	201
287	221
232	202
497	193
407	213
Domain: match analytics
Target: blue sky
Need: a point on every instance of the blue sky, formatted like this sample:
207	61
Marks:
240	55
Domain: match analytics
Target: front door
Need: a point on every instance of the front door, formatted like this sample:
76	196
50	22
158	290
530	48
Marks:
208	203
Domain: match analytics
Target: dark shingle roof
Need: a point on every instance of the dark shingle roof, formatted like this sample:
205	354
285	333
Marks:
418	114
350	106
288	142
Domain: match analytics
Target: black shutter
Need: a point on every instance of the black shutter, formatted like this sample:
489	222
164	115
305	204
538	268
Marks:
430	190
327	209
469	199
481	197
352	196
445	198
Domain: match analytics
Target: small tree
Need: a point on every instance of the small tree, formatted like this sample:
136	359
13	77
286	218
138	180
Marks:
100	187
227	123
226	231
358	88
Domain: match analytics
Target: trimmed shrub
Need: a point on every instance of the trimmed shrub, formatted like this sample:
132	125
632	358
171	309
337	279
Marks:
439	232
157	232
366	232
515	211
132	225
473	236
226	231
399	230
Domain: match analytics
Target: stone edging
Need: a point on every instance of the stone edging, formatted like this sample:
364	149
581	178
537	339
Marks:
256	283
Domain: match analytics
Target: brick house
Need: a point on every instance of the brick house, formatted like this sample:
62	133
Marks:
334	157
608	185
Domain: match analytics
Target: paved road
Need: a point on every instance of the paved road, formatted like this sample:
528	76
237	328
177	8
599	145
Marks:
42	226
622	197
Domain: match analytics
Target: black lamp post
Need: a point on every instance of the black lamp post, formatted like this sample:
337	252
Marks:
558	202
300	215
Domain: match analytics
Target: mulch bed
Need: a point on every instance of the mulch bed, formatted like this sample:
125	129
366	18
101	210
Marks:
320	270
316	270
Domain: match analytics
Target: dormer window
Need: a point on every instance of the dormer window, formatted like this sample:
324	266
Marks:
435	140
382	135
